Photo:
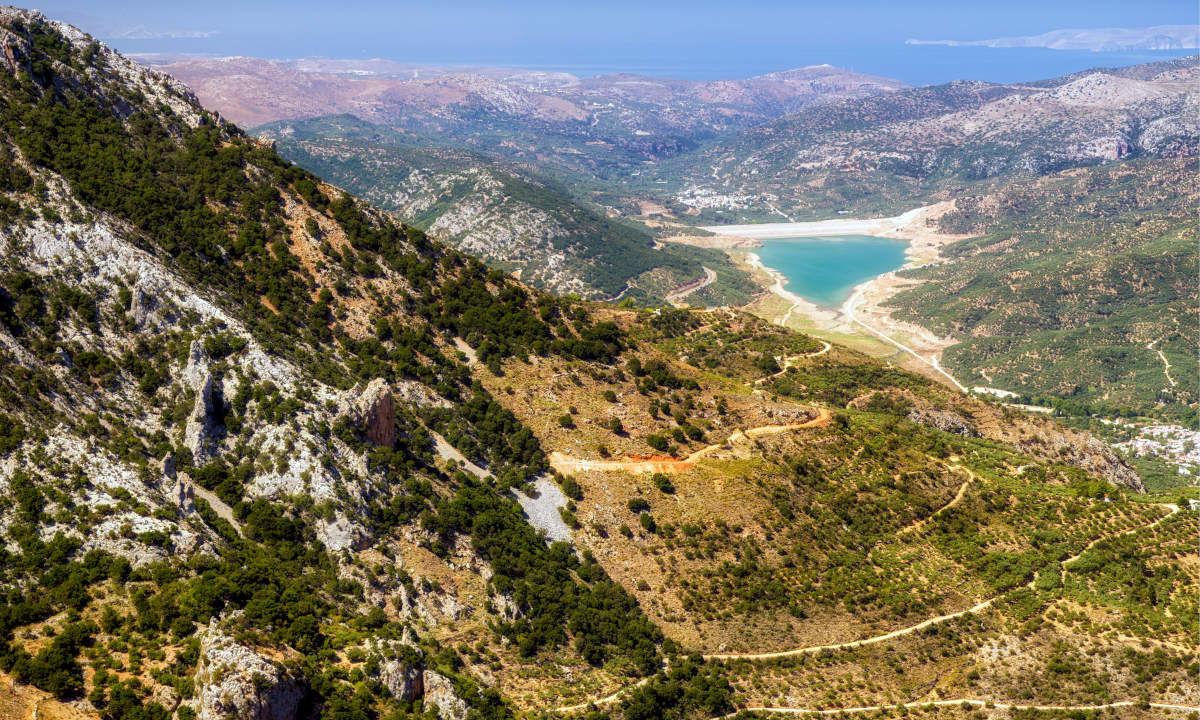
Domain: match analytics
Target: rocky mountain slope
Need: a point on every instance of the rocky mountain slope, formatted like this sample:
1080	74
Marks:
264	452
512	218
888	152
1066	281
594	125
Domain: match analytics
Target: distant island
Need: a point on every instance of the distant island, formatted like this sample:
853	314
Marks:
1158	37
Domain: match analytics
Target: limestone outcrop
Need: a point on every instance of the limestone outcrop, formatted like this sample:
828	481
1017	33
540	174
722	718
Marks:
440	696
943	420
403	680
200	433
376	412
234	681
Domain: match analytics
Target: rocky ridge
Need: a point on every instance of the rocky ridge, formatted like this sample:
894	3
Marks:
912	143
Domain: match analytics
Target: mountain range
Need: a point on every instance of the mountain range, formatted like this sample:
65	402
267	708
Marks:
975	145
269	452
888	152
636	117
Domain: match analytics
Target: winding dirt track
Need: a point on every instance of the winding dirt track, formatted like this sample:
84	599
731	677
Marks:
675	297
853	643
960	701
934	620
566	464
608	699
1165	362
962	492
790	361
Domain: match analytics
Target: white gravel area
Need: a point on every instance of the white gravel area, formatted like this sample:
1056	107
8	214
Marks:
541	509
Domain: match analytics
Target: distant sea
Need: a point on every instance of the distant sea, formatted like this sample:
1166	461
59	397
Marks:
825	270
914	64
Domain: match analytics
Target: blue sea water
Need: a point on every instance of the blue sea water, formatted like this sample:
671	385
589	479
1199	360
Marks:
824	270
913	64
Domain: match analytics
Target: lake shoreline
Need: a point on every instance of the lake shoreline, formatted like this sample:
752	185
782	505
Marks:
863	314
796	302
826	270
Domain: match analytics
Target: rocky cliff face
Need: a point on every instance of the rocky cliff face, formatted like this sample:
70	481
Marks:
234	682
944	420
377	414
220	383
402	680
439	695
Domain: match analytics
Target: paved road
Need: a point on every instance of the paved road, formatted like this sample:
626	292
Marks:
931	361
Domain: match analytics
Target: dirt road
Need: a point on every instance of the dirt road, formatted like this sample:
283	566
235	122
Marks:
675	297
1173	509
567	465
960	701
1165	362
934	620
790	361
962	491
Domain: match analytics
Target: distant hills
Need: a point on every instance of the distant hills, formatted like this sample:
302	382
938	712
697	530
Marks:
482	156
566	180
588	124
1078	193
1158	37
512	217
1071	286
886	152
268	452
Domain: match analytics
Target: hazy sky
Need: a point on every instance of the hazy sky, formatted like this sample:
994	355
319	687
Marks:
694	38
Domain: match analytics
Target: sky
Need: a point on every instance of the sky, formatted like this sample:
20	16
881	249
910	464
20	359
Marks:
699	39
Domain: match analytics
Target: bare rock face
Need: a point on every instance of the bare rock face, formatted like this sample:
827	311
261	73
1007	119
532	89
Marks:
943	420
1093	455
200	432
440	695
234	681
141	305
377	413
341	533
183	494
411	392
403	681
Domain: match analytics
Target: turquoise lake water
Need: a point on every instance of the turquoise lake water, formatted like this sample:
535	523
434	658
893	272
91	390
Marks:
824	270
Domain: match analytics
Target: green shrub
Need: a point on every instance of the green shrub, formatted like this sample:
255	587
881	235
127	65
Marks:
638	505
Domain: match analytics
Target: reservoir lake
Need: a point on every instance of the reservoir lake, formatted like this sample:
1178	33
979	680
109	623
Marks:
824	270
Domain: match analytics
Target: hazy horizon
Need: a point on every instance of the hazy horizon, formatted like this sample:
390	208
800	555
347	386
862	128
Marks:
699	41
